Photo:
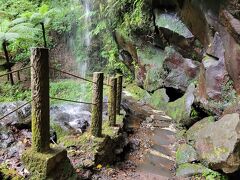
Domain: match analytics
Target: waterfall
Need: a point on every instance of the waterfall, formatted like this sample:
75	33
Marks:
87	36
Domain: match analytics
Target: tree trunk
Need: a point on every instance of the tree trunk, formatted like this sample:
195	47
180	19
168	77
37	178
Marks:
44	34
9	69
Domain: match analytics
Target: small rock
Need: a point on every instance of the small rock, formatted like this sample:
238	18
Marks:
185	154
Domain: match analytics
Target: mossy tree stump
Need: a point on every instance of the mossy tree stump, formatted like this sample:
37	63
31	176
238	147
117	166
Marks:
119	93
97	104
40	103
112	101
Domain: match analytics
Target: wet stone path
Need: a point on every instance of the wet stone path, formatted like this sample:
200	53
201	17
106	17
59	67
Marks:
152	145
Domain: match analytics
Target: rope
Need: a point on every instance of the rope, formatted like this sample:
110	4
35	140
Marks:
16	109
79	102
73	75
14	71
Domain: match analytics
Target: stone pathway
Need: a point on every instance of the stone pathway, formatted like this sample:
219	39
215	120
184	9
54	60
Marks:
152	145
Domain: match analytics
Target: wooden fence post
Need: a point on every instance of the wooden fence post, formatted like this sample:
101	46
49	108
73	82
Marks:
112	101
40	103
97	104
119	93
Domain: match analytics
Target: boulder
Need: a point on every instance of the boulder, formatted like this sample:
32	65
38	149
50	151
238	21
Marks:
137	93
19	119
189	170
182	71
212	71
159	99
185	154
150	72
71	118
218	144
180	110
193	132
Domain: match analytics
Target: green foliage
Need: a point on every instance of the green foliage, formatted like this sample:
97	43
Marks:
13	93
213	175
6	173
72	90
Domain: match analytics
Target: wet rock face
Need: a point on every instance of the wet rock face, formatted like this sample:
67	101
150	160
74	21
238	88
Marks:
18	119
72	118
218	144
181	70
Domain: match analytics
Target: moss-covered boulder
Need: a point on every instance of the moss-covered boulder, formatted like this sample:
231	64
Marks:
180	110
185	154
218	144
193	131
159	99
189	170
137	92
150	72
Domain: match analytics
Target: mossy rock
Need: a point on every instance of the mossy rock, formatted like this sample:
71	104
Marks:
152	59
193	131
159	99
177	111
189	170
181	109
53	164
137	92
185	154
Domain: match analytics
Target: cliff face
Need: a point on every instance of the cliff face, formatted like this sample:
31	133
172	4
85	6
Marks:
189	41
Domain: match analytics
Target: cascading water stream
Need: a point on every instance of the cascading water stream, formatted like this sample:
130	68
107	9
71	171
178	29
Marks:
87	36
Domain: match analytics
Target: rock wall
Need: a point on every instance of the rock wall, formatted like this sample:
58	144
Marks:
194	43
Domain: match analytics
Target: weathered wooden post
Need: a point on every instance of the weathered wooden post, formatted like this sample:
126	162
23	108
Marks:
112	101
119	93
42	161
40	103
97	104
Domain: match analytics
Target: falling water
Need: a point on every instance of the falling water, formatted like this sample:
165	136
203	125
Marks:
87	36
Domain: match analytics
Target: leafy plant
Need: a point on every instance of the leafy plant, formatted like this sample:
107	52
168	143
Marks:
11	31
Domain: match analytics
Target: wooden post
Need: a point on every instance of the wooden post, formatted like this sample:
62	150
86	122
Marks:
119	93
40	103
112	101
97	104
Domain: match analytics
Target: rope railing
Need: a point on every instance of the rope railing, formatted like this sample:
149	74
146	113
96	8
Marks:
67	100
41	102
76	76
1	118
15	71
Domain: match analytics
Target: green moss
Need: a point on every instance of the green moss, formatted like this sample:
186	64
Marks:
159	99
44	165
137	92
7	173
177	111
